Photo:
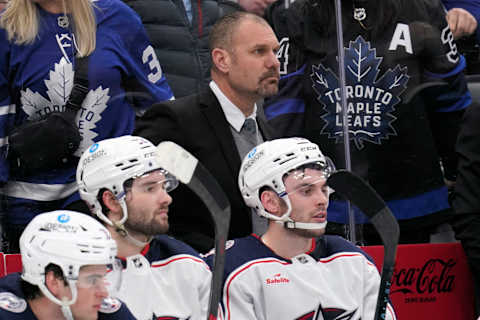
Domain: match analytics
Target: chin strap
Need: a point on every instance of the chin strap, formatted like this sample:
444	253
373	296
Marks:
120	228
290	224
67	313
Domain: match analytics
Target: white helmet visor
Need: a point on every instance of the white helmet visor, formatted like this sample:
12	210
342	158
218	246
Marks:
152	181
305	181
101	277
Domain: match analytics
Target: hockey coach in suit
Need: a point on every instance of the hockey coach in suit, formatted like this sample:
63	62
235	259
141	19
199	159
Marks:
220	125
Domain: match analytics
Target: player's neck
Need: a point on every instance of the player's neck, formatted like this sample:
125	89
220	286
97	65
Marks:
285	243
44	309
244	102
52	6
126	248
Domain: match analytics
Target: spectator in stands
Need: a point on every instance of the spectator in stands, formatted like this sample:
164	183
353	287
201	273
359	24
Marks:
219	125
289	272
41	46
2	4
462	17
397	132
466	201
179	34
66	256
257	7
125	188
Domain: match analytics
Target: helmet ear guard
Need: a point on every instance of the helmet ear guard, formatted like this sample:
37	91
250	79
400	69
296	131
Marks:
267	165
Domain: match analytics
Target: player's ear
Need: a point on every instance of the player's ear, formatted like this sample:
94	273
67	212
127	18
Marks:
113	206
272	202
54	283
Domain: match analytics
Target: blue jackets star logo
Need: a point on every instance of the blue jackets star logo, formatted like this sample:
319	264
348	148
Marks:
329	314
370	99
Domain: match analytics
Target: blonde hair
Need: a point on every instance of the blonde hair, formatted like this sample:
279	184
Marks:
21	20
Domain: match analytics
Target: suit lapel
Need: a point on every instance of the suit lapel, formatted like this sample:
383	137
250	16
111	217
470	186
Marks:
265	129
213	112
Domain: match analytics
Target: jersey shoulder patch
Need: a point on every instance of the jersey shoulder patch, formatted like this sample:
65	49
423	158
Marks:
110	305
12	303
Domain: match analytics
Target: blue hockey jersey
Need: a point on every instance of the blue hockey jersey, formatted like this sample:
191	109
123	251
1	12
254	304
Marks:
124	75
13	305
406	93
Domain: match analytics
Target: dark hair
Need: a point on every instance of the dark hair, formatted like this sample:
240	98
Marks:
32	291
222	32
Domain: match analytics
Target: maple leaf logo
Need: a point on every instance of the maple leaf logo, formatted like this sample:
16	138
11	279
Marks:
59	85
370	101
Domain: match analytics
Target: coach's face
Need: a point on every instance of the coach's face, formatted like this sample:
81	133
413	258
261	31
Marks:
253	64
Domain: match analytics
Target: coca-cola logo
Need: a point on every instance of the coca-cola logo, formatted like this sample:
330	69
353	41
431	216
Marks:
433	278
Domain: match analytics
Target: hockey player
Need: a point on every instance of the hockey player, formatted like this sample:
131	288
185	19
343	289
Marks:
41	42
127	190
65	257
397	132
294	271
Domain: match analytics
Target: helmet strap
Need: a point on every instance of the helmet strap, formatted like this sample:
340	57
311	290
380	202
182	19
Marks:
303	225
120	228
67	313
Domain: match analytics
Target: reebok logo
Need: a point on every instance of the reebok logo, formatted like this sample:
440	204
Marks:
277	279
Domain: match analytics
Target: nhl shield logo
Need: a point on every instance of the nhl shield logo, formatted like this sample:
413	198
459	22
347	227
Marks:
371	100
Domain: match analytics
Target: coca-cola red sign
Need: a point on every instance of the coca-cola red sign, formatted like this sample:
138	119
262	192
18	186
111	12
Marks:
435	276
430	281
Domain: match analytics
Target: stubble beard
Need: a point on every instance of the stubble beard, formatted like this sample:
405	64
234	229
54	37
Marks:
266	88
148	228
309	233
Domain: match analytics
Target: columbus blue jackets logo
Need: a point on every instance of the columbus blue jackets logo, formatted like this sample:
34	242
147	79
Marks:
329	314
371	99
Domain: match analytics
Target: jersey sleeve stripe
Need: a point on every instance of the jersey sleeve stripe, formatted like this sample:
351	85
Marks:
464	101
326	260
284	107
179	258
7	109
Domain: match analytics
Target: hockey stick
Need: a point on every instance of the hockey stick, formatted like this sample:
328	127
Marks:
192	173
366	199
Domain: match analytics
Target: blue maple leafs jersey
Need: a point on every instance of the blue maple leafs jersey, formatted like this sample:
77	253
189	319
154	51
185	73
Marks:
13	305
124	75
259	284
406	93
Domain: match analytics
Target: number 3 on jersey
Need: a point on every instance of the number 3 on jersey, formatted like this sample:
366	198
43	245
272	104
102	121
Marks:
150	57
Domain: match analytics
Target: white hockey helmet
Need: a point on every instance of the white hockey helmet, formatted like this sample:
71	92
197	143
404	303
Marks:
266	166
69	240
109	163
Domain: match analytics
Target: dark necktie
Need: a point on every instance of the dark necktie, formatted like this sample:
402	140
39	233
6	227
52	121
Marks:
249	131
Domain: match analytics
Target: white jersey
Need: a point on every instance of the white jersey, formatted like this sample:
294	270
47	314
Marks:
334	280
168	280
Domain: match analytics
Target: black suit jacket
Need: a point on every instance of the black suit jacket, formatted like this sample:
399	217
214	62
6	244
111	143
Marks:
198	124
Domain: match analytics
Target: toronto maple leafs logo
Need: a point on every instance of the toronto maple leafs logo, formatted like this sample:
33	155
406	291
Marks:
59	85
371	101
